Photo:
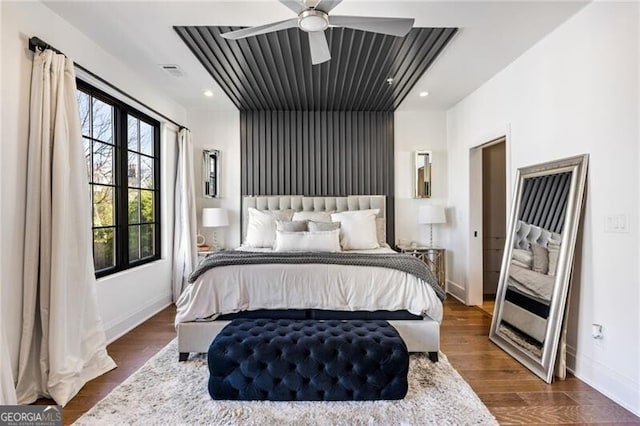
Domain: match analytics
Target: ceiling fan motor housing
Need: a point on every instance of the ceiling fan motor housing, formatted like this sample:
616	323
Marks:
313	20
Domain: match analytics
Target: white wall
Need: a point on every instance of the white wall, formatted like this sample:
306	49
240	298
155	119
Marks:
219	129
574	92
124	298
415	131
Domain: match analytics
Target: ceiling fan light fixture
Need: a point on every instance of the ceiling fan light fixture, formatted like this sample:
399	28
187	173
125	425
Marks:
313	20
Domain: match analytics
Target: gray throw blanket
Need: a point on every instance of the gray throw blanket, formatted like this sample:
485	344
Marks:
401	262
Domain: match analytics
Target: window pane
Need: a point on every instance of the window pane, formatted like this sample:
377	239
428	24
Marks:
146	240
102	121
146	138
86	143
103	205
133	169
146	206
84	108
134	243
132	133
103	248
134	206
146	172
102	163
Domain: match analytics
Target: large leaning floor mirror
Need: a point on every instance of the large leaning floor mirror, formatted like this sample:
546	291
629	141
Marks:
537	264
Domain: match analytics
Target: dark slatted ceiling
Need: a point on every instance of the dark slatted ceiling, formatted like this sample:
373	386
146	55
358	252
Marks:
273	72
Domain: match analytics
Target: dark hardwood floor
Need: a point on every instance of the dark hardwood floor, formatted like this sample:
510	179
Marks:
512	393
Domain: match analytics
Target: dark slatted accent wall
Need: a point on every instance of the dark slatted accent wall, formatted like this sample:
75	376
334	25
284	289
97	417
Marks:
318	153
317	129
544	201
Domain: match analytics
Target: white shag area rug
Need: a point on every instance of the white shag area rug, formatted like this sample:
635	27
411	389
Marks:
165	391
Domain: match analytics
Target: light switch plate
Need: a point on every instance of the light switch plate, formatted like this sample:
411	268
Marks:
616	223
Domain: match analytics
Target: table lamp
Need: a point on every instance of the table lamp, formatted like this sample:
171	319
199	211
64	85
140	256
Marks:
430	214
213	217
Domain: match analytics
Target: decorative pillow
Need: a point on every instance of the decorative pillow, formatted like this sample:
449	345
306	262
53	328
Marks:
293	226
323	226
516	262
261	227
524	257
540	259
319	241
381	231
554	251
315	216
357	229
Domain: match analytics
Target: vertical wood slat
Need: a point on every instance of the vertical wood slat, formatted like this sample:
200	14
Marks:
318	153
544	201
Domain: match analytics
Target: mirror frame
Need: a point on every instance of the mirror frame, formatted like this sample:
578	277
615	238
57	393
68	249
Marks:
211	173
418	162
544	366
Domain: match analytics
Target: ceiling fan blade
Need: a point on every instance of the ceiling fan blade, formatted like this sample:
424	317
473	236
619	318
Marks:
398	27
327	5
261	29
318	47
298	6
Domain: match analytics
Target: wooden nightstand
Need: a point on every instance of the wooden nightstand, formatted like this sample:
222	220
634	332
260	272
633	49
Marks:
434	257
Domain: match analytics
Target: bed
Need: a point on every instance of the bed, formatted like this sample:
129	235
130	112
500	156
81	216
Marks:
320	291
531	280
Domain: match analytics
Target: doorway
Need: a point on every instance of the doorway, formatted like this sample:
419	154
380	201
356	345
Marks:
494	219
487	220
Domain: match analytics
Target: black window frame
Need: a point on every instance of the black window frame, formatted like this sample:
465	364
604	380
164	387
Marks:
121	112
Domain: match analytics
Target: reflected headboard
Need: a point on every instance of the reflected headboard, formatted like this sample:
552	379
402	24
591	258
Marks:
318	204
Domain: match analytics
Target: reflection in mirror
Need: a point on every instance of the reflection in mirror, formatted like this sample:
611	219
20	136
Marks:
422	174
537	262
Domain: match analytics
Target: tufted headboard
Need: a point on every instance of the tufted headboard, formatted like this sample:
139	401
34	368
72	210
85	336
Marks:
527	234
312	204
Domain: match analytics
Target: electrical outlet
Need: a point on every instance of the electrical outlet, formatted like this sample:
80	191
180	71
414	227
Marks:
597	334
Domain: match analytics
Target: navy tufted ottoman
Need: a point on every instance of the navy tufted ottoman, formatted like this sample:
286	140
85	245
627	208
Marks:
308	360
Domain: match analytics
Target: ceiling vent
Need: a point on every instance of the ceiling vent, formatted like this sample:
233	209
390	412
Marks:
173	69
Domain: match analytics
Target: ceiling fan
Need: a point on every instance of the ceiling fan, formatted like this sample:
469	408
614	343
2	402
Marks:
313	18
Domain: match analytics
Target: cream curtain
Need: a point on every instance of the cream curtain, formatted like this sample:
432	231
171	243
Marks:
7	387
184	233
63	343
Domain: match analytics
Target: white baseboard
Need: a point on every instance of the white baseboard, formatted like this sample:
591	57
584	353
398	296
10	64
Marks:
620	389
457	291
123	324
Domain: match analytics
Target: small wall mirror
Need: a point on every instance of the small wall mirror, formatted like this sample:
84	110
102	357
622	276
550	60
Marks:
537	262
422	174
211	172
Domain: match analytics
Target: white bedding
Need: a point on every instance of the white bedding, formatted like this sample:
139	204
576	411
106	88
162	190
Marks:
535	284
382	249
230	289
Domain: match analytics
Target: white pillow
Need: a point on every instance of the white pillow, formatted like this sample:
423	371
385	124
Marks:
357	229
261	227
315	216
525	257
308	241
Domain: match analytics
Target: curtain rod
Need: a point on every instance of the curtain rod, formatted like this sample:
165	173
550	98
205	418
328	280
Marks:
36	44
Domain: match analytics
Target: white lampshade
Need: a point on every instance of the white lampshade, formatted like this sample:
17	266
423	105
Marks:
431	214
213	217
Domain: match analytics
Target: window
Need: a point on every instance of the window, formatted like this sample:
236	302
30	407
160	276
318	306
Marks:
122	148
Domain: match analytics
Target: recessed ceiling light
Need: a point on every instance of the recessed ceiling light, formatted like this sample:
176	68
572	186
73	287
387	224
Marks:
208	93
424	94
